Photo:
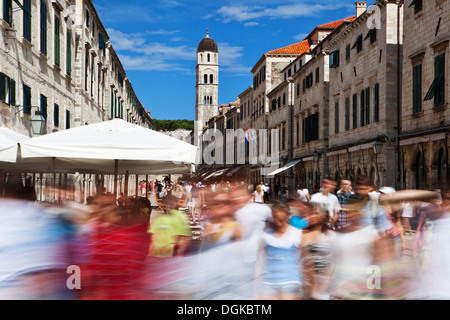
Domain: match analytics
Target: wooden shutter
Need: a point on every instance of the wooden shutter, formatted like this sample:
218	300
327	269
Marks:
56	115
12	92
26	100
69	53
57	39
3	87
362	108
367	106
43	27
44	106
355	111
417	88
377	103
27	19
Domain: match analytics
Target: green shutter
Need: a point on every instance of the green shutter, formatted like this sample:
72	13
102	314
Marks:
26	100
69	53
57	41
43	27
56	115
439	69
336	117
7	11
27	19
417	88
12	92
67	119
377	103
2	87
44	106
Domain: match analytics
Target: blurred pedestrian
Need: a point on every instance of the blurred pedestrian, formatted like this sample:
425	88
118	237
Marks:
344	195
327	201
372	212
278	274
303	194
285	192
258	195
406	216
316	256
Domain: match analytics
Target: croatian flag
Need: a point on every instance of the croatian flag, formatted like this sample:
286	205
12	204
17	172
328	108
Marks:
247	135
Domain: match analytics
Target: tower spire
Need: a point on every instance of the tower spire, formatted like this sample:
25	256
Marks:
207	32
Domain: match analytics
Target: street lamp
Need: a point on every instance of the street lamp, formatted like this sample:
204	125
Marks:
315	157
37	121
377	146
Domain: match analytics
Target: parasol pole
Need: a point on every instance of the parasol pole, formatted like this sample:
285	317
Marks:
127	174
116	173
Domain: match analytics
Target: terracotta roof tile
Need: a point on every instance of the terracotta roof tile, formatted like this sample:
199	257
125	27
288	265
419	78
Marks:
335	24
296	48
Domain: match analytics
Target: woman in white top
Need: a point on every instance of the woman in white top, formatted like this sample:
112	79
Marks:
303	194
258	195
278	272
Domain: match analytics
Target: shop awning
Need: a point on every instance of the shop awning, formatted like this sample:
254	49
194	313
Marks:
286	167
229	174
216	173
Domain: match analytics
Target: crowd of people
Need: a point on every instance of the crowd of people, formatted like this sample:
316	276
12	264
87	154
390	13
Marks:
346	241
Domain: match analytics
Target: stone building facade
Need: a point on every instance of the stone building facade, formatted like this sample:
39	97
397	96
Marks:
369	96
56	58
425	117
365	89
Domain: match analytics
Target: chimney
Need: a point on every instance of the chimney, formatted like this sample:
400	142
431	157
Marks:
361	7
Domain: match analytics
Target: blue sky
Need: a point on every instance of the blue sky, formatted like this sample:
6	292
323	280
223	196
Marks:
157	40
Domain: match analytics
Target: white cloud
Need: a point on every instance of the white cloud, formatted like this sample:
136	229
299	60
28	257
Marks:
242	13
137	53
229	59
251	24
170	3
300	36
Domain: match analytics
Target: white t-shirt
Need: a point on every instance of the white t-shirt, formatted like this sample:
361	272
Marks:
302	194
328	202
258	197
407	211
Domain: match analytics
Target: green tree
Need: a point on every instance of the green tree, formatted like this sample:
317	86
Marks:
172	125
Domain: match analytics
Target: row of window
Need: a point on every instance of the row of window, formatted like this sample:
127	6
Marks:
358	45
362	110
259	78
43	32
8	96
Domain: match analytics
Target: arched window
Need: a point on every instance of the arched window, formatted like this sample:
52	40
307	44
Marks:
205	78
205	100
209	57
211	79
419	171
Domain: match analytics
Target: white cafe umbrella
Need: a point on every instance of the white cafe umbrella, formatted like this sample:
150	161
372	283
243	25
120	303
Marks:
109	147
9	140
